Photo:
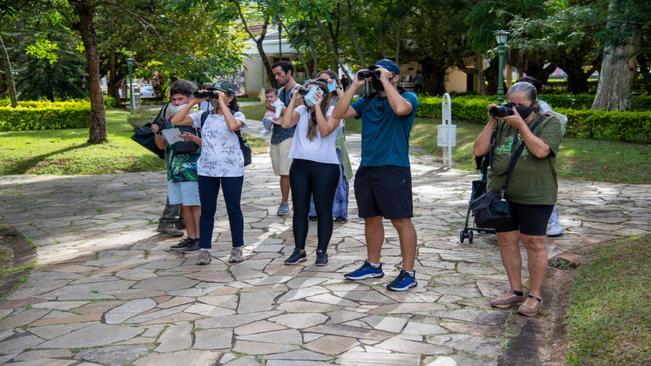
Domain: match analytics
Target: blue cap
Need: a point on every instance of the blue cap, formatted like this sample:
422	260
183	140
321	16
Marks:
389	65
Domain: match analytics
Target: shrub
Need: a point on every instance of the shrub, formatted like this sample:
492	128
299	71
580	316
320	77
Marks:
630	126
109	102
613	125
38	115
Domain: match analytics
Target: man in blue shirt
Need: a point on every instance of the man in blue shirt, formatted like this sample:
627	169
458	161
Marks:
383	180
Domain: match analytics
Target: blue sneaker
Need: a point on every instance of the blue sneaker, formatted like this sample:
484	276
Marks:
365	271
403	282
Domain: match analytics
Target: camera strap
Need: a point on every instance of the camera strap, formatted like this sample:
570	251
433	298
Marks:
516	156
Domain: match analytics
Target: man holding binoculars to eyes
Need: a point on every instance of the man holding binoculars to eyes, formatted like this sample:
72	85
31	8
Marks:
383	180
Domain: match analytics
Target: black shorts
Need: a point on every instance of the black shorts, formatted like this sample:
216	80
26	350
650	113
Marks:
528	219
384	191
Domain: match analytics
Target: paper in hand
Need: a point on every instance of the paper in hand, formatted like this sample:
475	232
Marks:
172	135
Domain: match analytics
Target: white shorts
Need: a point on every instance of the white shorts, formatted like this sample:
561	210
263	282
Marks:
183	193
280	160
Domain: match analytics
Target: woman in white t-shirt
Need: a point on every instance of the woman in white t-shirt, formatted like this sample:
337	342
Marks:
221	163
315	166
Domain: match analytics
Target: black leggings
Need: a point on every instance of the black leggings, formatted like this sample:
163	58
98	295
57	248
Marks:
307	177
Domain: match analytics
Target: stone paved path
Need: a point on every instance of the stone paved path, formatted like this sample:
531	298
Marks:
106	291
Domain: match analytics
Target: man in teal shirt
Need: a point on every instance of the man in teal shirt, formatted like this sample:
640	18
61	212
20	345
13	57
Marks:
383	180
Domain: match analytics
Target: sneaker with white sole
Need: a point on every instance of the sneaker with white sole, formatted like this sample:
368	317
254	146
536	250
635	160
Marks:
297	256
403	282
553	226
365	271
236	255
204	257
283	209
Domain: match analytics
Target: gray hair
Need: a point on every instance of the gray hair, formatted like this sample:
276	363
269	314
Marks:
523	86
530	91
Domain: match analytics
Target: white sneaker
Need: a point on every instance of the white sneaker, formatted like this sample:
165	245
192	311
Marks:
553	226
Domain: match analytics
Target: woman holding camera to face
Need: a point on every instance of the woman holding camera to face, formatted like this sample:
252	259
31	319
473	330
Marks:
220	163
315	166
340	203
531	189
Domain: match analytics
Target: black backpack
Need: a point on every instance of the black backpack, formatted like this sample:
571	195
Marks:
145	138
244	145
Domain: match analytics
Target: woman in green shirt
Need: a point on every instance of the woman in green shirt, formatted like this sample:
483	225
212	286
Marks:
531	190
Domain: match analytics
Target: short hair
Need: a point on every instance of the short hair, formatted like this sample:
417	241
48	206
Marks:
184	87
529	89
271	90
524	86
285	65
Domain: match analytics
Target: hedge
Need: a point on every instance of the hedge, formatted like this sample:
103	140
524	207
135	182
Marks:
630	126
109	102
573	101
38	115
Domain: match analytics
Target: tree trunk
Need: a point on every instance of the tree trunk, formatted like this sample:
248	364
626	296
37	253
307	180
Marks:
97	130
49	87
266	63
313	50
258	41
577	79
9	75
114	77
616	77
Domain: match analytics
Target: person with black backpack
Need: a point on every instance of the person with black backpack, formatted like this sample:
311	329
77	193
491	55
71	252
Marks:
221	163
182	187
181	91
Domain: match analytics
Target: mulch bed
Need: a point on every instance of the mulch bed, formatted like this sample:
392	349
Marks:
23	252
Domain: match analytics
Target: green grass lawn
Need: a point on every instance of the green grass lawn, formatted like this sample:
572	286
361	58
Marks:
609	322
66	152
582	159
255	111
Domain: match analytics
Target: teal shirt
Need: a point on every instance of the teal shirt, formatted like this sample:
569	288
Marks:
385	136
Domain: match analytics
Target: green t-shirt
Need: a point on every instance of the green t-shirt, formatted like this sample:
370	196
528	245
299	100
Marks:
181	167
533	180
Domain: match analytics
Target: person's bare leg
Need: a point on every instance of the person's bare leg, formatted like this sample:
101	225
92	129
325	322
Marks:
195	212
509	243
284	188
374	232
407	236
188	221
537	262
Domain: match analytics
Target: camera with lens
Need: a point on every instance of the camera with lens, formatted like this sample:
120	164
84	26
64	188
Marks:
310	95
206	93
365	74
500	111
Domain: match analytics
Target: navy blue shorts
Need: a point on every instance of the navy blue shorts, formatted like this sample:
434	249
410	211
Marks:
528	219
384	191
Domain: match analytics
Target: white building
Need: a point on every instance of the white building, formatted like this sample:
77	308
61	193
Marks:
255	75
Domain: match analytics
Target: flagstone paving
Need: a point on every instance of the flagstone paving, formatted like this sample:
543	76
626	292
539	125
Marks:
107	291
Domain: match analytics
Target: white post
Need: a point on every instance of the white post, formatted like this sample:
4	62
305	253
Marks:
447	132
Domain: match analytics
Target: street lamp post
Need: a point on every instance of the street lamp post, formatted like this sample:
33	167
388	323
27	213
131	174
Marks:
501	37
130	62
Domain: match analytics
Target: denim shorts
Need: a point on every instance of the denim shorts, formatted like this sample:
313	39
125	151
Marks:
184	193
